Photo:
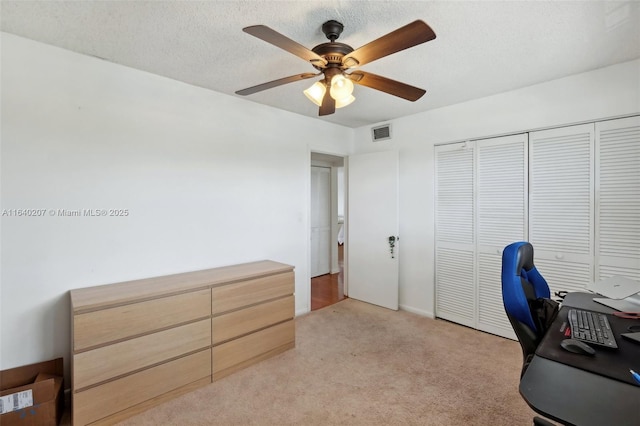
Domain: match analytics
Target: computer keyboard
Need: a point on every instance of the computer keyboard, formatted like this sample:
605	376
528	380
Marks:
591	327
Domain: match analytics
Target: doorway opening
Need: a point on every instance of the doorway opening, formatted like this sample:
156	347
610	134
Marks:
327	241
328	289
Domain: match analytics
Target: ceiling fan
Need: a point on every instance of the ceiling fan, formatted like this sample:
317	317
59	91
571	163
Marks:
332	59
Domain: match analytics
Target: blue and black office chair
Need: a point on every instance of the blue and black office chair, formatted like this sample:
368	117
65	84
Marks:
522	284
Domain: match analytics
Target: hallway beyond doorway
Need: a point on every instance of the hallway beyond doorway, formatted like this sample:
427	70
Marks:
329	288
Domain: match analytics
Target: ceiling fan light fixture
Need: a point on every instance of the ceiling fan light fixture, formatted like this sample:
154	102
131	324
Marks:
332	59
316	92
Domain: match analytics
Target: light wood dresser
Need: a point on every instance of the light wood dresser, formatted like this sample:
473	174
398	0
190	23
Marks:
139	343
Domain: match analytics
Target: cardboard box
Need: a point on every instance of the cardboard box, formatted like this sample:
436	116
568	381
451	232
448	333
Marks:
45	382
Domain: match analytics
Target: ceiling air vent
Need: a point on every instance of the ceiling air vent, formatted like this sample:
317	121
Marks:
381	133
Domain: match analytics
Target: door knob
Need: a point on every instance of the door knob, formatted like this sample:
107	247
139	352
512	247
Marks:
392	243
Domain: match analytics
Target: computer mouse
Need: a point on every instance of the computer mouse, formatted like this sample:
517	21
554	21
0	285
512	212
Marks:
577	347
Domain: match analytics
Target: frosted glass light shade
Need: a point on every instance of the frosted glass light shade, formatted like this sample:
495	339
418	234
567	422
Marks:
344	101
316	92
341	87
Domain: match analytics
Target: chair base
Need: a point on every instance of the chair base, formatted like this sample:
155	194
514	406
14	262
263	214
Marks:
539	421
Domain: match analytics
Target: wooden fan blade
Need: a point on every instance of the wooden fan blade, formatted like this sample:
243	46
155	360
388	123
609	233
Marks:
275	83
405	37
328	105
387	85
271	36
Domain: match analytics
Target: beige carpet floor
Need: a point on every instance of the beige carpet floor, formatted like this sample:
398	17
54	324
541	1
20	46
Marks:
359	364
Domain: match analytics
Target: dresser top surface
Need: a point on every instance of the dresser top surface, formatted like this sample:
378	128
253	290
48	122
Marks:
108	295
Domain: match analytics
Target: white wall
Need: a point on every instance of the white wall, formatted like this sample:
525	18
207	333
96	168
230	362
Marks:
609	92
208	180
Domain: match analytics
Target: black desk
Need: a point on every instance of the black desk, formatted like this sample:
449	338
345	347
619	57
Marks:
578	397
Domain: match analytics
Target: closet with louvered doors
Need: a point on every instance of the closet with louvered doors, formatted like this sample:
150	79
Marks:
561	205
573	192
584	199
481	206
617	198
455	282
501	218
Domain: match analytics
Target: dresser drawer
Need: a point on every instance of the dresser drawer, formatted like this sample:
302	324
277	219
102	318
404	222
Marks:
239	353
121	322
237	295
101	401
244	321
115	360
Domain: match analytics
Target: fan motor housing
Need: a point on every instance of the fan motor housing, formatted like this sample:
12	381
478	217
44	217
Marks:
333	52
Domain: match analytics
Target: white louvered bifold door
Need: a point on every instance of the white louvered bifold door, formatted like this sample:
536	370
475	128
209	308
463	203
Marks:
455	277
618	198
501	206
561	201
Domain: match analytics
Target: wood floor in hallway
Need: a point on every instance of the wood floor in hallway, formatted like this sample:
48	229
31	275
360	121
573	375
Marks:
329	288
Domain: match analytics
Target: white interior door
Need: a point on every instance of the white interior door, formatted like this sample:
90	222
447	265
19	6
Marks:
320	220
372	217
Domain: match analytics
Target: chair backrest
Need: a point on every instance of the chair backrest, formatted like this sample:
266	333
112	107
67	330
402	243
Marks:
522	284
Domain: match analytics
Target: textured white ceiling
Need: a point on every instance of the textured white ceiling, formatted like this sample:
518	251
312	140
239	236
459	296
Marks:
482	47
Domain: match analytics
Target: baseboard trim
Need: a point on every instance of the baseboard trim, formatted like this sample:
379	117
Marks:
301	312
417	311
